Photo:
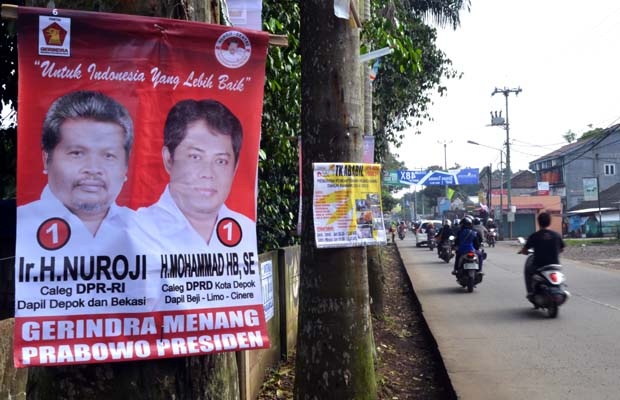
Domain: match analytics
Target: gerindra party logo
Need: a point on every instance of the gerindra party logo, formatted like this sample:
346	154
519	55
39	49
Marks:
54	36
233	49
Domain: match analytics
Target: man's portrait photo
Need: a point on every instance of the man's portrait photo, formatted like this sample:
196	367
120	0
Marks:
202	142
86	142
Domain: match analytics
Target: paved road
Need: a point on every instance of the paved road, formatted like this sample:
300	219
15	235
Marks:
496	346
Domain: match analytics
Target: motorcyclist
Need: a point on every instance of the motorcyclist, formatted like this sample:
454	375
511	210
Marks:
402	228
482	232
443	235
466	240
491	224
393	231
430	233
547	246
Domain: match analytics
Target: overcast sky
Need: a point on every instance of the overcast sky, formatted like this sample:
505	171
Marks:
563	54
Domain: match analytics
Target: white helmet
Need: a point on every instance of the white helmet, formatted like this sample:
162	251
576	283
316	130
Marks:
490	220
447	222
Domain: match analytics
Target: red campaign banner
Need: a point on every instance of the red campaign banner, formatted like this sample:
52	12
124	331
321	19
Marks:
87	339
138	144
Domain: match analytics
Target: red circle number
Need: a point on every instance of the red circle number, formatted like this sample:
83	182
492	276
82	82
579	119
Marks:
229	232
53	233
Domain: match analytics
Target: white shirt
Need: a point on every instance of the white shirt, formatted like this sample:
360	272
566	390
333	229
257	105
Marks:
46	256
165	233
111	237
170	230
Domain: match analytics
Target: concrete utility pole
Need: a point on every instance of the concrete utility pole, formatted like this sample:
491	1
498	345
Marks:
498	122
445	158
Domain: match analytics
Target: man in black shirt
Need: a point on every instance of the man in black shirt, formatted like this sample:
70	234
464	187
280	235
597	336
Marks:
547	246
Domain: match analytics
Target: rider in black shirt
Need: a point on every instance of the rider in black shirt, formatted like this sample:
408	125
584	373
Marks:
547	246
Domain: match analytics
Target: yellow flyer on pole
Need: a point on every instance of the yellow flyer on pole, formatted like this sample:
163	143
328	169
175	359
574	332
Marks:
347	205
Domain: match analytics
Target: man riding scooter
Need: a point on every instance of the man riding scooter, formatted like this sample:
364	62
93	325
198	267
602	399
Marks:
402	230
443	235
547	246
467	240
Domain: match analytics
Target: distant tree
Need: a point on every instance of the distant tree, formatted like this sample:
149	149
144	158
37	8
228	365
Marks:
591	133
569	136
388	201
407	77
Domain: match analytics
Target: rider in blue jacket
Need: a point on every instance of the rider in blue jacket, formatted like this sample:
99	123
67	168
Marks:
467	240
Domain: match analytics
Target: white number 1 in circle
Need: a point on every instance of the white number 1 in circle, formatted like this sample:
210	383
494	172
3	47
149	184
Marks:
53	229
229	230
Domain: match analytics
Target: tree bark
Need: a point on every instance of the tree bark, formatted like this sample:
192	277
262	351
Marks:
334	346
376	278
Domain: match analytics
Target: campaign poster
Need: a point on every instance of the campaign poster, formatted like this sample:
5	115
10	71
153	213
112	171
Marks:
347	205
138	145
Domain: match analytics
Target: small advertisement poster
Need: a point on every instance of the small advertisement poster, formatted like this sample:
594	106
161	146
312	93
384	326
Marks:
590	189
347	205
543	188
138	145
267	283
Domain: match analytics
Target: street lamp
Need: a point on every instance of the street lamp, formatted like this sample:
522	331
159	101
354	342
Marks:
499	121
501	176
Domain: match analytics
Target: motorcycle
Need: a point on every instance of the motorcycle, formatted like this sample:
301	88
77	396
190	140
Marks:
401	232
491	237
548	286
468	272
430	238
446	251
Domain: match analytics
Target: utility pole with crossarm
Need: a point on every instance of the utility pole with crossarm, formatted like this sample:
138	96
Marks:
499	121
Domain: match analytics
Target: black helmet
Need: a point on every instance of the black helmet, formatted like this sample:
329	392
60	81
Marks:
466	222
476	221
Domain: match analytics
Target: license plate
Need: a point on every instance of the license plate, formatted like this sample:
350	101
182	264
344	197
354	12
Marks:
470	266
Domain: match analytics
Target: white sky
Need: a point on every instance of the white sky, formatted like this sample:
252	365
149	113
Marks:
565	56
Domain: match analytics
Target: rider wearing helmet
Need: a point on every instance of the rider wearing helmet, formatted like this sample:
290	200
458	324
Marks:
491	224
466	240
443	235
482	231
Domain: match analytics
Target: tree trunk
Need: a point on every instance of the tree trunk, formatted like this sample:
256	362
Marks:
376	280
201	377
334	346
374	253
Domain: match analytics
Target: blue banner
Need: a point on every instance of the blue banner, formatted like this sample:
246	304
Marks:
463	176
411	176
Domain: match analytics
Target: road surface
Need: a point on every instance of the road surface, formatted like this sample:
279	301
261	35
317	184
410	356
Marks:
496	346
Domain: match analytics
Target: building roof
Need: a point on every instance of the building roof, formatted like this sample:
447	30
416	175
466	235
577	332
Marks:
519	180
524	180
609	198
571	147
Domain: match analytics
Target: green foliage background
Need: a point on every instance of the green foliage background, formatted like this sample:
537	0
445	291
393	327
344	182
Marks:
278	183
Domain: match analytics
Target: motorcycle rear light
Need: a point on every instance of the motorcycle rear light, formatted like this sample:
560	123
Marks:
554	277
470	254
